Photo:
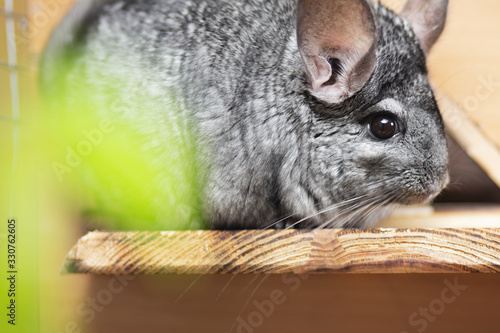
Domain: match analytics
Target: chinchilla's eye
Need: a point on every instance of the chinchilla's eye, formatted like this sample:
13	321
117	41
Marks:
383	126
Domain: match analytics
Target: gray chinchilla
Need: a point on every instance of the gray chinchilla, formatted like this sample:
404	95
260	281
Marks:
308	113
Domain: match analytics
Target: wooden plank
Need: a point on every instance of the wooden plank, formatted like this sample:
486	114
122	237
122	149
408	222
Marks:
470	137
465	64
288	251
444	216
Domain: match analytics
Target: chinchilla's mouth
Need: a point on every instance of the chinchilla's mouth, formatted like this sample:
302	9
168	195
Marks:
425	192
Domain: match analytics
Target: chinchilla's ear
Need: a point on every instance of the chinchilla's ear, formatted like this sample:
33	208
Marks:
427	18
337	41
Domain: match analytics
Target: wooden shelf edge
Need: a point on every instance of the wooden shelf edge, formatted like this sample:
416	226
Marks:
382	250
470	137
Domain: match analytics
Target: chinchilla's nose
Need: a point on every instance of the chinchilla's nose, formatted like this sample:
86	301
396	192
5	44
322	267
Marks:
435	187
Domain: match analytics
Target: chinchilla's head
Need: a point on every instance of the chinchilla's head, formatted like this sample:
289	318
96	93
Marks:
377	134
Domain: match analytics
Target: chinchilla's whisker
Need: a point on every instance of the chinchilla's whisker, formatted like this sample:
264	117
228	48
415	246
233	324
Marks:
279	221
347	205
373	184
348	213
377	206
225	287
455	184
266	275
363	210
188	288
353	215
365	213
326	210
249	284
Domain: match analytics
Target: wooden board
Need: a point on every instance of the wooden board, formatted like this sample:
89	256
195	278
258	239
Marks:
288	251
473	140
444	216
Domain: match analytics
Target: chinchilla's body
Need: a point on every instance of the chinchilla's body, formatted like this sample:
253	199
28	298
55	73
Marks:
318	113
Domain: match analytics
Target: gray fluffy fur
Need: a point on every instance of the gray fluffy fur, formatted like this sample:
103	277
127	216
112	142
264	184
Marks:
276	153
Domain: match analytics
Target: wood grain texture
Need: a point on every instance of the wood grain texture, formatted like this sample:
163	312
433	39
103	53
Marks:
288	251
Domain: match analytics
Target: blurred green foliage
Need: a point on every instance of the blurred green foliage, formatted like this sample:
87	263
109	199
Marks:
129	165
